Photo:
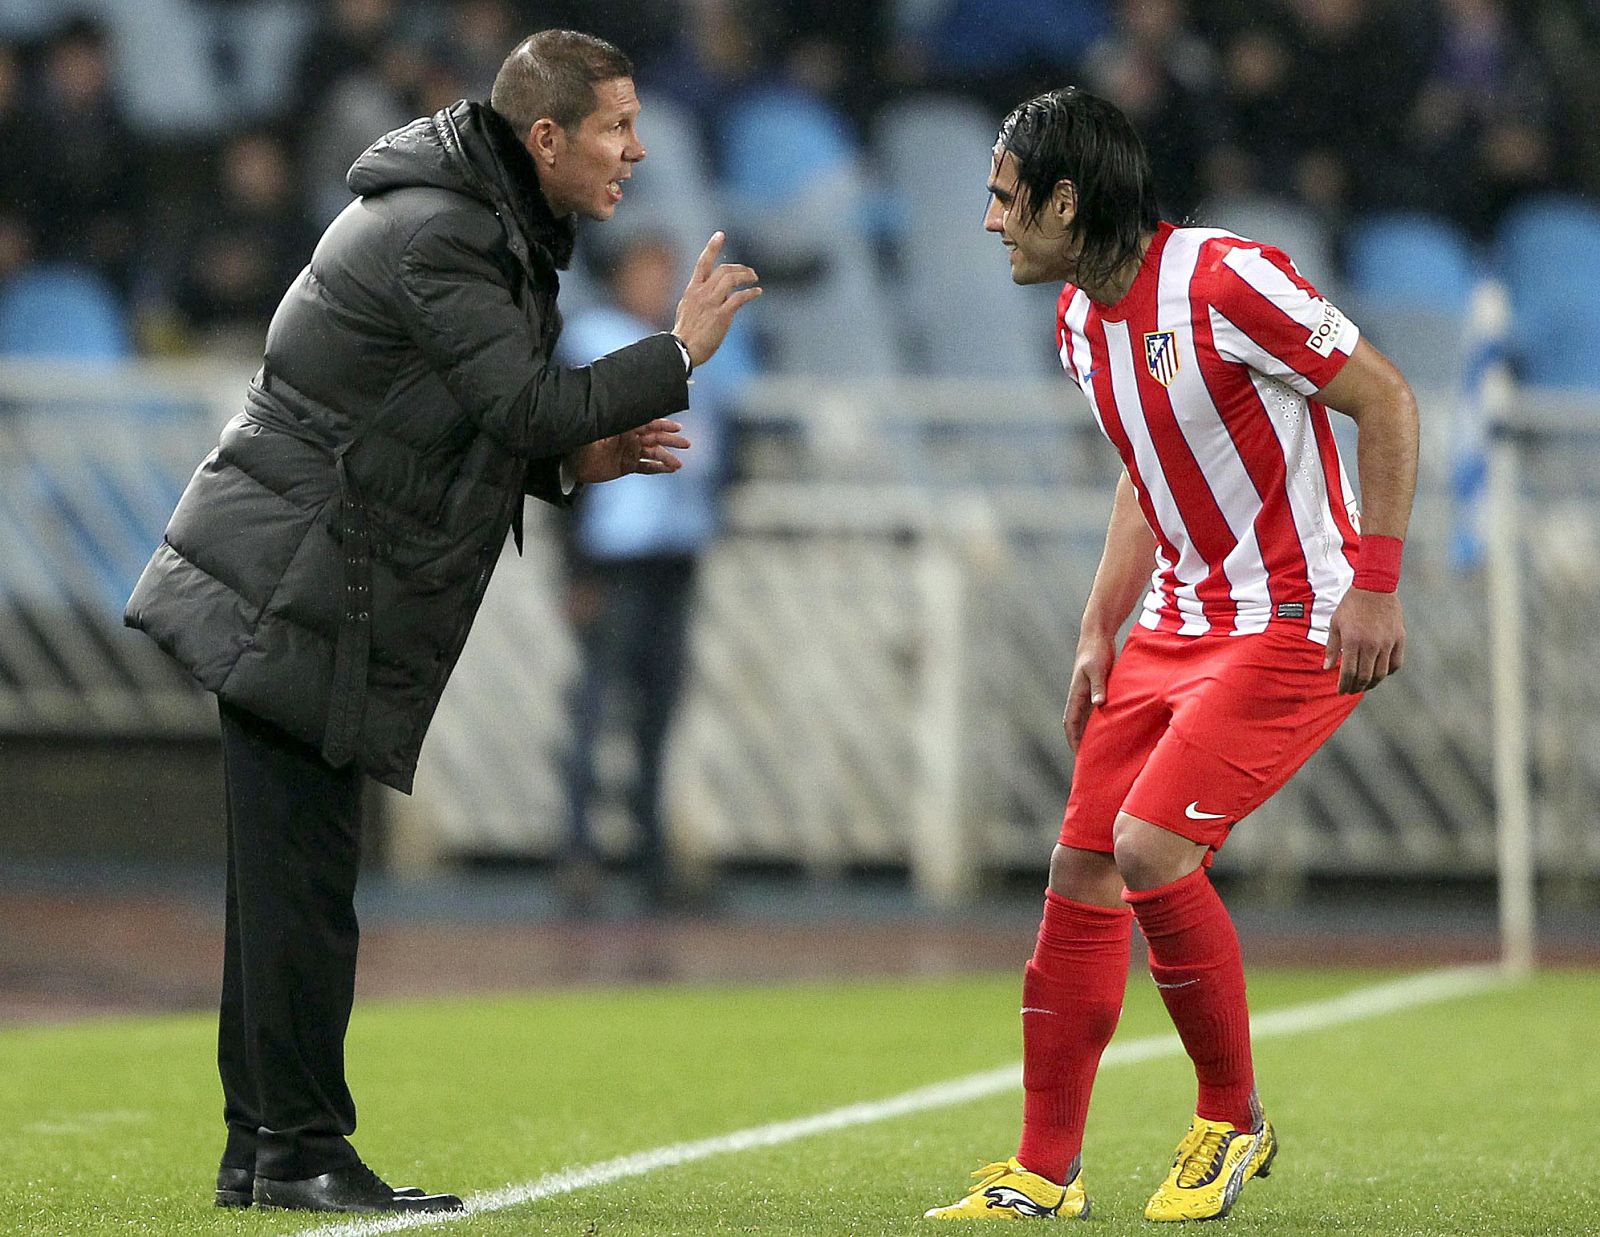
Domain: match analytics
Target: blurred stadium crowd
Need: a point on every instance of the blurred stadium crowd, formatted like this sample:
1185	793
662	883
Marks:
170	162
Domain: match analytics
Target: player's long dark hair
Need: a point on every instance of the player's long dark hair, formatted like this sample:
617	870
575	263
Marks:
1069	135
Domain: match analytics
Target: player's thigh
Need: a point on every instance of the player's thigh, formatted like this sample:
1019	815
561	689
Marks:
1118	739
1252	711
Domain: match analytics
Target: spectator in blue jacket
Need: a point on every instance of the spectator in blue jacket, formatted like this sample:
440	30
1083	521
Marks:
635	552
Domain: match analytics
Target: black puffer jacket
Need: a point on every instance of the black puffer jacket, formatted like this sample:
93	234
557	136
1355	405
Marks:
327	559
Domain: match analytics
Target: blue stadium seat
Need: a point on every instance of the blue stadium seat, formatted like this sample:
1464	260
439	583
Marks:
779	142
1411	277
62	312
968	316
264	39
968	37
162	53
837	325
1411	261
1548	253
793	177
26	19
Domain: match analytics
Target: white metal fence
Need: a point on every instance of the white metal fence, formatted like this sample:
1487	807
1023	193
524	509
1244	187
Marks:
91	462
881	647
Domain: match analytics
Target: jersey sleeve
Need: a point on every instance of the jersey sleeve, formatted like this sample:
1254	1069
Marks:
1266	315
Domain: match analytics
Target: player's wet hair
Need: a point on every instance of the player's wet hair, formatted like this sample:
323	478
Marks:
1067	134
554	73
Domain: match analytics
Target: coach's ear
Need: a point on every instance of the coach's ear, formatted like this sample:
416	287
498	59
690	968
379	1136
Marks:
544	141
1064	203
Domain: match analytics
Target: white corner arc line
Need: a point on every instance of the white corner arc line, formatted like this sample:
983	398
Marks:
1411	992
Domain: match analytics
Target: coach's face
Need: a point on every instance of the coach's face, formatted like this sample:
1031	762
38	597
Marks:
582	170
1039	248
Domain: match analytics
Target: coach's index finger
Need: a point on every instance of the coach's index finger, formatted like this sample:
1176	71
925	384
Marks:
708	257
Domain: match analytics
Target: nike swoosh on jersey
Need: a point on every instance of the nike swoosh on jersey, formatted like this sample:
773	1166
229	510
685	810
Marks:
1193	812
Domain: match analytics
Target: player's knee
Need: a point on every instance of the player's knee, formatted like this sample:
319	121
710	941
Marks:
1148	856
1085	876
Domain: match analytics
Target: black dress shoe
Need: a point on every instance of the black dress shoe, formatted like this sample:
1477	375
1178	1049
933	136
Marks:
236	1187
355	1188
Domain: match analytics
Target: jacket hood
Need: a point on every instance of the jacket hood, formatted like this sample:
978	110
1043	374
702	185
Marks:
468	148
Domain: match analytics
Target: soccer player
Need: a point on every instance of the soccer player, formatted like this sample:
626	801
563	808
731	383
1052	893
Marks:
1269	606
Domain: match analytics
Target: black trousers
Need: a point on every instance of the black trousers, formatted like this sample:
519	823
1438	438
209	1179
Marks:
289	968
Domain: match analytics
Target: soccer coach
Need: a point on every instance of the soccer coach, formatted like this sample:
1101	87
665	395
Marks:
322	570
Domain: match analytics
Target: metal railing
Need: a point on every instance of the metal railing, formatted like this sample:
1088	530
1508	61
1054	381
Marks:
881	649
92	461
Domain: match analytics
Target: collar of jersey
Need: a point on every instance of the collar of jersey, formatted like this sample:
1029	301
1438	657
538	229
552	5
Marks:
1144	283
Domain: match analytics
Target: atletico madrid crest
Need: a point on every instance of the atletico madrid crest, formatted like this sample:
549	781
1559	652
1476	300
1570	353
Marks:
1161	355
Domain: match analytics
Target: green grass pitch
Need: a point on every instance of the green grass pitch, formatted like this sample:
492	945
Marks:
1476	1115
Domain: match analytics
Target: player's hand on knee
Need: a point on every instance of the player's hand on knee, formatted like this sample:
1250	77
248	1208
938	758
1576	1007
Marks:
1366	640
715	293
1087	691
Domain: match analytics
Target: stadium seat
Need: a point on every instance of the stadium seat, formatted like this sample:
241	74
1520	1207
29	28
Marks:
62	312
967	38
779	142
263	38
958	298
1411	261
1411	277
26	19
163	55
794	186
1548	254
837	323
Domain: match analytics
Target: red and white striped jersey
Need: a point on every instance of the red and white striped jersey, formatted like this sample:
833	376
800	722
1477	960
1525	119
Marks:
1201	377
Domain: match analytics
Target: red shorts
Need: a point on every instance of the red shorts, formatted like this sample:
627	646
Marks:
1198	731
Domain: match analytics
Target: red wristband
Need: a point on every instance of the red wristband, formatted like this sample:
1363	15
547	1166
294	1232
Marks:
1378	563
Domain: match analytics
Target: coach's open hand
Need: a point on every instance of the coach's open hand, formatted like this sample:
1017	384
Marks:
1366	639
648	449
714	295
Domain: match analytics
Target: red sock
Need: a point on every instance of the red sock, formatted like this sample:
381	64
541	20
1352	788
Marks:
1195	961
1072	994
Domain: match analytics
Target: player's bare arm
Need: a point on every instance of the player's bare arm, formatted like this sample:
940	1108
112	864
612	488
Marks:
1119	582
1367	636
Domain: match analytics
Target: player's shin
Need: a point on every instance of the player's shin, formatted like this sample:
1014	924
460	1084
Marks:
1196	964
1072	994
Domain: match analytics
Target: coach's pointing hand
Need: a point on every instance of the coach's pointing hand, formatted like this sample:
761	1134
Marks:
714	295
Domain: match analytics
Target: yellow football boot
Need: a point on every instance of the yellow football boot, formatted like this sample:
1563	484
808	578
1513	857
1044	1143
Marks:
1008	1191
1213	1162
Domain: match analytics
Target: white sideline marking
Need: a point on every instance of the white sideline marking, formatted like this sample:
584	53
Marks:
88	1122
1356	1006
